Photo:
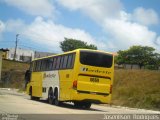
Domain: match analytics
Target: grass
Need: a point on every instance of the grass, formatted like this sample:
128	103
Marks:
8	65
137	88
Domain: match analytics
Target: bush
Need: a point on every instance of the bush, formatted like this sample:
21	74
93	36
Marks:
151	67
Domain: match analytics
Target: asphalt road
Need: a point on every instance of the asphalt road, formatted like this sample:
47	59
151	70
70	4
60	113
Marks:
15	103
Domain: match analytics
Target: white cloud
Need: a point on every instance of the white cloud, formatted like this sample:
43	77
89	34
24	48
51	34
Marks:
2	26
158	41
145	16
34	7
2	29
127	34
48	33
96	9
122	28
15	25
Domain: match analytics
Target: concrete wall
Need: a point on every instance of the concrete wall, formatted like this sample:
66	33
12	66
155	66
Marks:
133	66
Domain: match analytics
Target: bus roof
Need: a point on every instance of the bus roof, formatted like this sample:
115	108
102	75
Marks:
72	52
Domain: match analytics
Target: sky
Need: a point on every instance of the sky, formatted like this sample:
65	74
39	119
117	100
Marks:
111	25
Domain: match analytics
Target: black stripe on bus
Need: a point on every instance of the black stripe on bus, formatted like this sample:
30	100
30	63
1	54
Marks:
106	77
96	93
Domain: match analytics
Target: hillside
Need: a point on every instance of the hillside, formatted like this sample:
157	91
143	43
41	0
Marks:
13	74
132	88
137	88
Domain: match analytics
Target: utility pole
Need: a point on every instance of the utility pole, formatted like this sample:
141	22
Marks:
15	52
1	52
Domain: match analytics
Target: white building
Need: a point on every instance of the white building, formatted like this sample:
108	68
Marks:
25	55
21	54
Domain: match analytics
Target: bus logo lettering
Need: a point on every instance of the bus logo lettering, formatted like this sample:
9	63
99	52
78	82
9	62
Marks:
49	75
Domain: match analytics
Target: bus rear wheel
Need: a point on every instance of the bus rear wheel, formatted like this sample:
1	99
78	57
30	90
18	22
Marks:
56	101
85	105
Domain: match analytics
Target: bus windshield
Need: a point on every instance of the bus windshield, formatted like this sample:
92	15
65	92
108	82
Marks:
96	59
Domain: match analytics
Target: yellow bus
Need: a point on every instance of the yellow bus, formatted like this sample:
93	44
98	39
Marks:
81	76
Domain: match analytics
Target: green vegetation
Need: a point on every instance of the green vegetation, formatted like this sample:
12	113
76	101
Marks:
137	88
140	55
72	44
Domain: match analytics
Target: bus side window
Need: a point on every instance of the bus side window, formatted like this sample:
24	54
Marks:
31	66
46	64
65	62
43	64
54	63
38	65
61	63
73	60
51	60
69	61
58	62
35	66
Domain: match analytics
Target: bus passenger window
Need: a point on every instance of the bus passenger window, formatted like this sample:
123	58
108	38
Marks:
58	62
43	65
51	60
54	63
69	61
73	59
36	65
65	62
62	60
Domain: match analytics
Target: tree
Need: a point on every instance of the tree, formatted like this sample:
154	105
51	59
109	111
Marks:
141	55
72	44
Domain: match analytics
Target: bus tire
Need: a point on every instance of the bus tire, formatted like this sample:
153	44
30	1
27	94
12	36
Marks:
30	93
50	96
77	105
56	101
31	96
87	105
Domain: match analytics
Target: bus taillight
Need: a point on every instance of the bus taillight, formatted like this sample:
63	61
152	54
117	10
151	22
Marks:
75	84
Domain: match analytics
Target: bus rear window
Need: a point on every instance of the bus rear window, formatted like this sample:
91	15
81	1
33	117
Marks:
96	59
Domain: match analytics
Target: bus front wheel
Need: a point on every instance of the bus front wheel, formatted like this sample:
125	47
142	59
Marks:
50	96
